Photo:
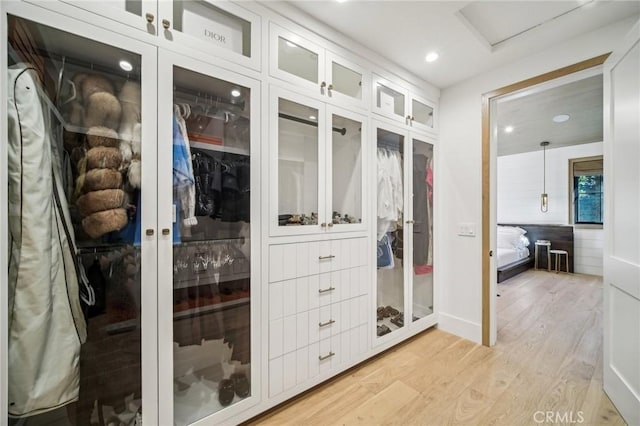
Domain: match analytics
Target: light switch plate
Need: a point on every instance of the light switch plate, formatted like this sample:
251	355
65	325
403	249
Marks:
467	229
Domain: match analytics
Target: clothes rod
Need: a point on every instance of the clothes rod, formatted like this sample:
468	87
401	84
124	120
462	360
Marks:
342	131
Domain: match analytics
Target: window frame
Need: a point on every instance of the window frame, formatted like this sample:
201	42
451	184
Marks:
572	197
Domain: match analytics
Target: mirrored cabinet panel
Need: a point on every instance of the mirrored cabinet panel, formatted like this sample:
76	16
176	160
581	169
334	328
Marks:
76	154
211	244
391	247
422	199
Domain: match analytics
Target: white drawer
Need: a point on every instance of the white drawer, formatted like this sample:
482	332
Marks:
287	261
297	295
319	358
293	332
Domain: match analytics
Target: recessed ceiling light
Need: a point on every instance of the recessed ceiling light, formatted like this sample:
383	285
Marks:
312	117
508	129
431	57
561	118
235	93
125	65
341	1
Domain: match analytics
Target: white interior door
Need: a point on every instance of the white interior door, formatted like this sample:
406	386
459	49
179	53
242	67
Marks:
622	228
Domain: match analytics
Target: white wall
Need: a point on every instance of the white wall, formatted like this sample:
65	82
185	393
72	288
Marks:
460	173
518	192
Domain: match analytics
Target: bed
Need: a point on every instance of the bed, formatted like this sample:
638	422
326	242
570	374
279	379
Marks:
515	256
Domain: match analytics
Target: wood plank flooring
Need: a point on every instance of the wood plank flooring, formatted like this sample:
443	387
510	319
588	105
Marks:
548	359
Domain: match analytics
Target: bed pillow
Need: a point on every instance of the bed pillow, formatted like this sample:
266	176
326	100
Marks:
511	237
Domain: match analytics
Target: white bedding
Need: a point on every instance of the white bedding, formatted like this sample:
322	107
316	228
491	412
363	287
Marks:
510	255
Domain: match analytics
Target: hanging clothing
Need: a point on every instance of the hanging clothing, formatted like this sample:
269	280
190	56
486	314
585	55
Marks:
189	194
45	322
390	191
183	178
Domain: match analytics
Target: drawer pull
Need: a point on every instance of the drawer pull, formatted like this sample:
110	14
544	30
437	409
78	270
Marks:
329	355
325	290
324	324
326	257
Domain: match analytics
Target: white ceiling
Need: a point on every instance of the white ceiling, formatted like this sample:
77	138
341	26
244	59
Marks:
470	37
473	37
531	117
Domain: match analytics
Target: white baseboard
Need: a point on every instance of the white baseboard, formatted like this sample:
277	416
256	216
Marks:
460	327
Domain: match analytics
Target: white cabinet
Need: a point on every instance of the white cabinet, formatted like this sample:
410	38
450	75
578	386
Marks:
220	28
317	166
206	272
393	101
319	309
404	233
306	64
158	166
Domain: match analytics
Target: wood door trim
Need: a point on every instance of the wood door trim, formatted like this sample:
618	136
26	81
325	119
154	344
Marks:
486	172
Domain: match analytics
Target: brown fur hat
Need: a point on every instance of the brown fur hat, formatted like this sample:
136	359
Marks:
102	136
97	201
100	223
102	109
95	83
103	158
97	179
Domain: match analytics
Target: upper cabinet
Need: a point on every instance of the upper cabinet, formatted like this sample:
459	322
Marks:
399	104
306	64
316	162
221	28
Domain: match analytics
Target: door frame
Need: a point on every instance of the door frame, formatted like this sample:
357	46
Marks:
486	175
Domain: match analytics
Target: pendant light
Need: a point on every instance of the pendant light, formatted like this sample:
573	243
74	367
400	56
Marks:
544	197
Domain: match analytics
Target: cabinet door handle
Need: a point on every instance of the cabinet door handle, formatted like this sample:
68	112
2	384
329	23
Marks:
329	355
330	88
330	225
326	257
149	232
324	324
165	231
323	85
166	24
323	225
150	17
325	290
410	221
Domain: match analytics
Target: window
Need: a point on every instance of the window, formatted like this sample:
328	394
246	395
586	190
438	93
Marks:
587	187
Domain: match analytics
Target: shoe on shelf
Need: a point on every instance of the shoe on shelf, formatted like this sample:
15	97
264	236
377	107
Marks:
398	320
240	384
225	392
382	330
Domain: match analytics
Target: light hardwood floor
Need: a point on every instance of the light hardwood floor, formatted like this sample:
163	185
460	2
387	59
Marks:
548	359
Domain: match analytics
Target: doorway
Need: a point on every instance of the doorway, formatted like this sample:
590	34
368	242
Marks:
489	168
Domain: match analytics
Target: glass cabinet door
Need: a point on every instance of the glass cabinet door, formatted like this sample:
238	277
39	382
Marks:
422	114
345	161
389	99
140	14
232	31
296	59
422	235
299	154
346	81
80	144
208	339
390	247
